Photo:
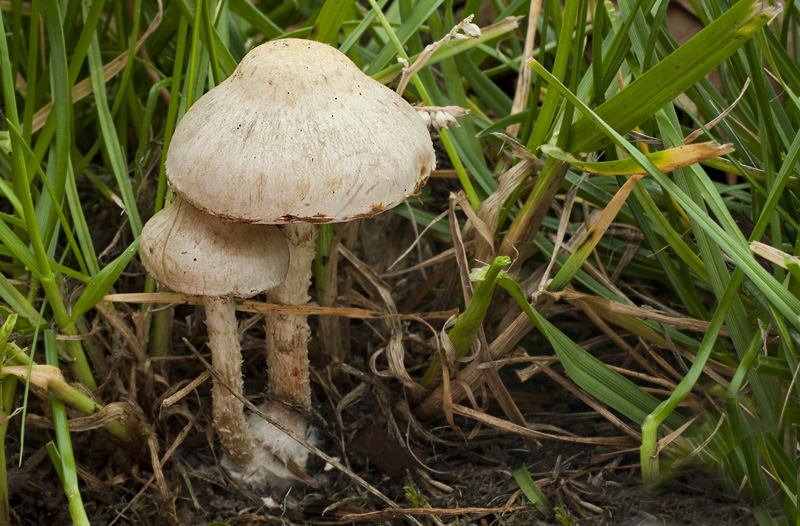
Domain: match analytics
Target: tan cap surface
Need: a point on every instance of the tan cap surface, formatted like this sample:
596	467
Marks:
195	253
299	133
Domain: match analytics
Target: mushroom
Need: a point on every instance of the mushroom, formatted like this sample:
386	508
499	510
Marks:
298	135
198	254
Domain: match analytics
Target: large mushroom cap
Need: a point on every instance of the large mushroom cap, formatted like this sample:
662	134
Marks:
195	253
299	133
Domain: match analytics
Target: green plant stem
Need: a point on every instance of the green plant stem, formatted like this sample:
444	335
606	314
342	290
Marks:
162	330
488	34
648	455
8	389
213	56
68	469
469	322
552	103
323	252
530	217
194	54
162	323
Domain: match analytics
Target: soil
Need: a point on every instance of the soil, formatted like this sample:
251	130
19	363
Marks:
477	473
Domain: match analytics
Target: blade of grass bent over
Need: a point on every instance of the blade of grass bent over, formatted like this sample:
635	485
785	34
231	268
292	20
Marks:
665	160
326	27
589	373
648	451
102	282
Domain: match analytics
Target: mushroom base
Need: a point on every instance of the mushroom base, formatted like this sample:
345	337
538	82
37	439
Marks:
278	460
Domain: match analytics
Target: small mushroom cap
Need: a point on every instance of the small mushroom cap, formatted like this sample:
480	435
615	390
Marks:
199	254
299	133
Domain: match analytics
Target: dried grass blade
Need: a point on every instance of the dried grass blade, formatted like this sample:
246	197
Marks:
524	79
395	352
245	306
501	394
666	160
615	307
503	425
593	236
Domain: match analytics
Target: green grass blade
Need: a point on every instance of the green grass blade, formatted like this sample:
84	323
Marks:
326	27
68	471
253	16
80	226
672	76
16	300
588	372
551	103
209	40
19	248
532	491
102	282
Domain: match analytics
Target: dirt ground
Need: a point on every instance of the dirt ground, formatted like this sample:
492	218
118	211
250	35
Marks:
438	474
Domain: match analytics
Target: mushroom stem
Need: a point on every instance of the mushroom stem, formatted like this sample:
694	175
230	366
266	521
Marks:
226	353
288	335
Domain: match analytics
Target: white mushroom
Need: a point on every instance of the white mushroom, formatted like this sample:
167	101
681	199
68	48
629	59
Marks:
298	135
198	254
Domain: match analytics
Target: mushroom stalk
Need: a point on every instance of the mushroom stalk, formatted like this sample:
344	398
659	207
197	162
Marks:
288	335
226	354
198	254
